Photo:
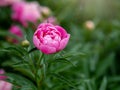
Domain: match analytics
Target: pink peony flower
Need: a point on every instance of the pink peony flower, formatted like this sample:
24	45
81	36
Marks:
50	38
25	12
16	31
8	2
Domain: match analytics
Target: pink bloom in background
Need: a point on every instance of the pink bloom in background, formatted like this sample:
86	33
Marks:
52	20
8	2
2	77
5	85
50	38
2	71
25	12
16	31
45	10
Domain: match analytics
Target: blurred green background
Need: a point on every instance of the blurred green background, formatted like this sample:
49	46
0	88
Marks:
94	51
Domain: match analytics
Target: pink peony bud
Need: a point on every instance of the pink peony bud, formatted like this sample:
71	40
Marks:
50	38
5	85
25	12
8	2
16	31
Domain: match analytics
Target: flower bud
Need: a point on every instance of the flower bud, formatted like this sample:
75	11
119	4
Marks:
45	11
89	25
16	30
26	12
25	43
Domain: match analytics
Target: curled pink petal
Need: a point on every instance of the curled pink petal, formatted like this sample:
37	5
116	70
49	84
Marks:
64	42
36	41
62	31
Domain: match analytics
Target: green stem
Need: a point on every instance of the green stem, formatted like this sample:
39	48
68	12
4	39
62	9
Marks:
31	63
39	61
31	66
38	67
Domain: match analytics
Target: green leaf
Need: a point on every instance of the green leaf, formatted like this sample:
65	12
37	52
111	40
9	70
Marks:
6	33
89	85
104	65
64	80
29	36
72	54
114	79
16	50
20	83
24	69
64	60
103	85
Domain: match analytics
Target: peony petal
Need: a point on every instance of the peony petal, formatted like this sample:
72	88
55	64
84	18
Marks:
63	43
47	49
44	25
36	41
38	33
50	42
62	31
